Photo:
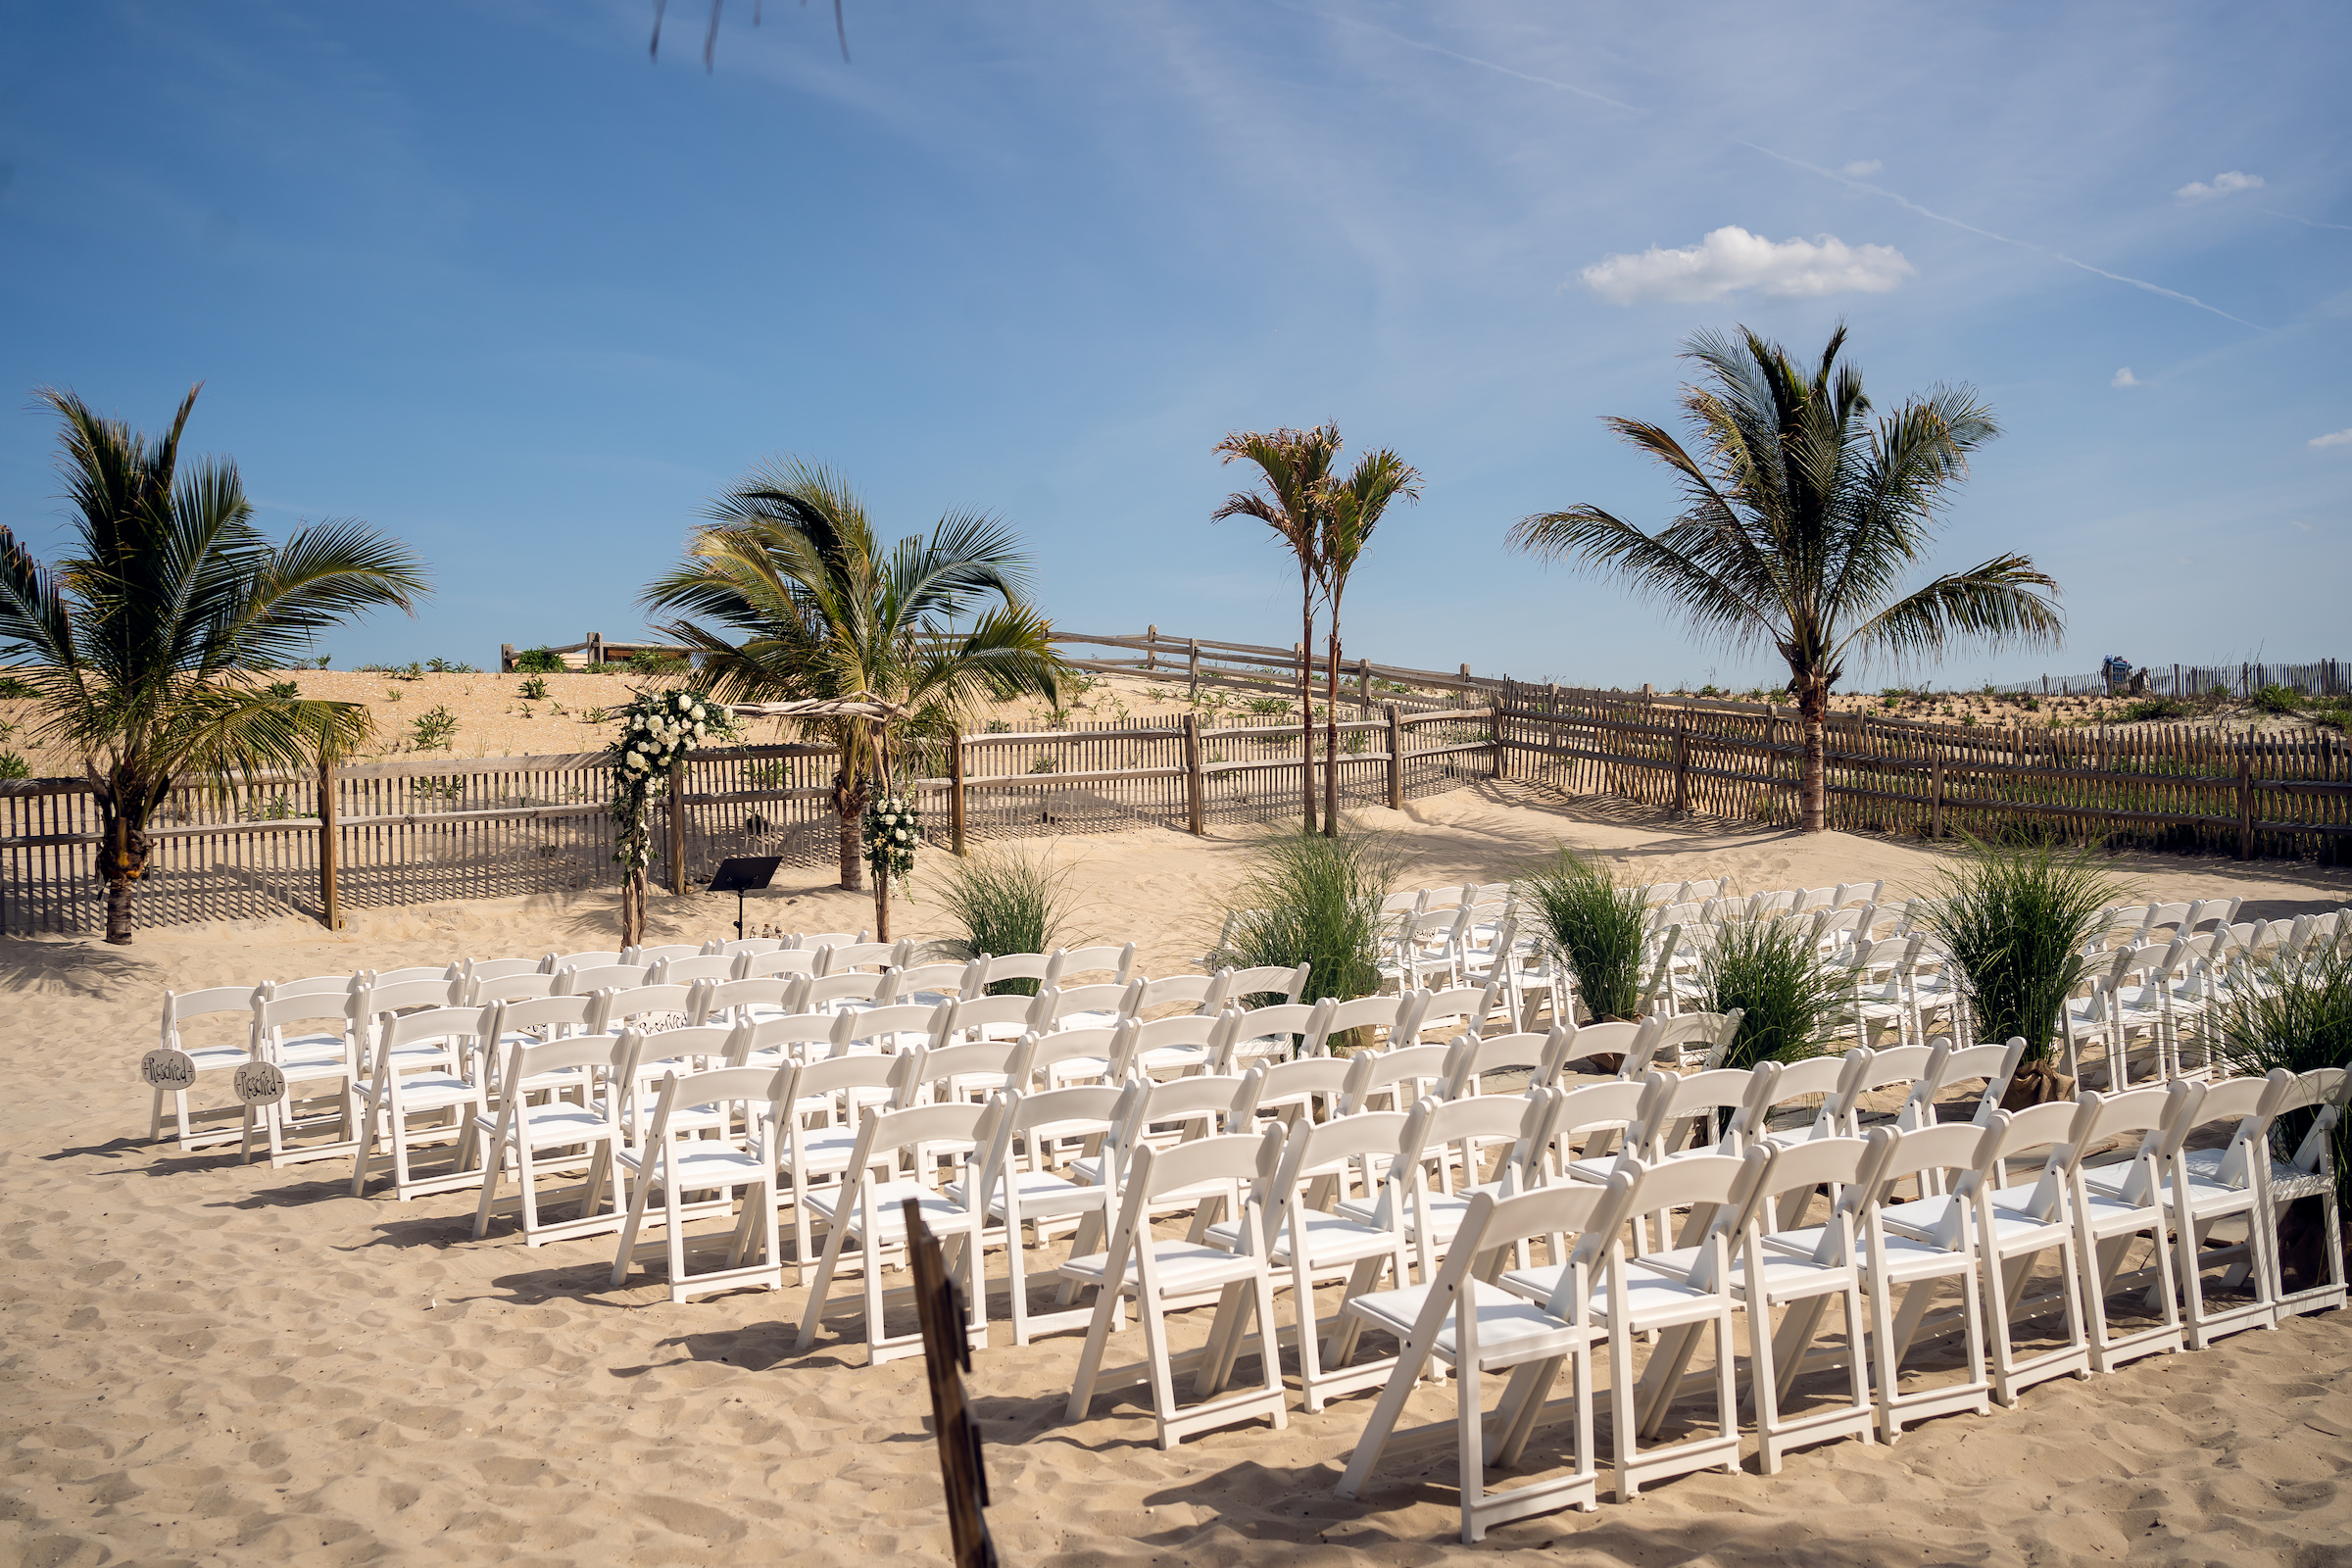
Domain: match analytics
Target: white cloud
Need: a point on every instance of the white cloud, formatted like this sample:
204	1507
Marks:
2124	377
2229	184
1731	259
2339	438
1862	167
2303	526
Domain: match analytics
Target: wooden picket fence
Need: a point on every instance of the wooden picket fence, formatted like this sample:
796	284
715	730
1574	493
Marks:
422	829
2163	787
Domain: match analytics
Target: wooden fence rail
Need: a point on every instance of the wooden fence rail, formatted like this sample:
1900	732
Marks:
421	828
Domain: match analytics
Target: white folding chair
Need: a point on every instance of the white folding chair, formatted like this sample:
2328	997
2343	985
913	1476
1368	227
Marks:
1025	1192
180	1008
2309	1175
587	1129
912	1150
1499	1332
423	1068
1065	964
829	1100
316	1062
746	1105
2204	1187
1271	1032
1161	1273
2122	1203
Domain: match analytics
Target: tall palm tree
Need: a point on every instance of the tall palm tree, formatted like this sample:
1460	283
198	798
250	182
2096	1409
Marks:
1354	511
797	599
1800	521
1294	500
142	644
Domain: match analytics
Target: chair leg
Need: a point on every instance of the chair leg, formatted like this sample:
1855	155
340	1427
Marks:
638	1190
490	1177
1411	1363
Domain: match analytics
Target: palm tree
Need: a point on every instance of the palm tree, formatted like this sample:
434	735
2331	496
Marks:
1801	523
142	644
789	569
1294	470
1354	510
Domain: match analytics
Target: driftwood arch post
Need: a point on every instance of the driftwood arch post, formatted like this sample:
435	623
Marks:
878	715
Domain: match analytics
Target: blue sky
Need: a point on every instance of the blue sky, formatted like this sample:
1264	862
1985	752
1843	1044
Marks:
486	277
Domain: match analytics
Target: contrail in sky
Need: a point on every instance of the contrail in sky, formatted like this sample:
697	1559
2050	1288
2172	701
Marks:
2306	222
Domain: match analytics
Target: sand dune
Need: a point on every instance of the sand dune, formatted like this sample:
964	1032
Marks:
211	1362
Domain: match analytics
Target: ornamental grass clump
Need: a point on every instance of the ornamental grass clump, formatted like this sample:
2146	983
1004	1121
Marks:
1006	901
1769	972
1593	926
2015	920
1314	901
2297	1014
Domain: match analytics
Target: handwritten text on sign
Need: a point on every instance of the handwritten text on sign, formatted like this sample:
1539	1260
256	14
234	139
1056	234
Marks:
260	1083
172	1072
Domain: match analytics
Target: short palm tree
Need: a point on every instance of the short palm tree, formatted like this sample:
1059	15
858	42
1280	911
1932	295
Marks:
789	596
142	644
1800	520
1294	499
1354	510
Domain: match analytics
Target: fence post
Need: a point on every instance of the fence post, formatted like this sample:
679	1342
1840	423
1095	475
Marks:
1151	647
1682	764
506	659
677	829
1363	687
2246	802
330	896
1936	802
1196	780
1461	698
1196	670
592	650
1395	757
956	792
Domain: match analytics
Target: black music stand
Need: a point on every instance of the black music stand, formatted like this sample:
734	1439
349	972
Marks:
745	873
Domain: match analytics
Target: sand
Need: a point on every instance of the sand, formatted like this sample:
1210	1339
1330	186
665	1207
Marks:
213	1362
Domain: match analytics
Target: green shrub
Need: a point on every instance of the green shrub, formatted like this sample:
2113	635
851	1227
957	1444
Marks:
14	686
2277	699
12	765
652	662
433	729
1768	970
1006	901
283	691
1315	900
1593	926
2301	1018
442	666
535	689
2148	708
1269	705
539	661
2015	919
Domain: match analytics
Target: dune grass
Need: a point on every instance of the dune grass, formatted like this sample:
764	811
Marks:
2298	1017
1593	927
1769	971
1312	900
2015	918
1006	901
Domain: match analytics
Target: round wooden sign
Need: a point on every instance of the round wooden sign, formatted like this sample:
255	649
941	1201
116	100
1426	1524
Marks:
168	1069
260	1083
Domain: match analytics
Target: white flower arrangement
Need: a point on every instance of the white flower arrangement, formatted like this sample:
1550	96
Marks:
657	732
894	831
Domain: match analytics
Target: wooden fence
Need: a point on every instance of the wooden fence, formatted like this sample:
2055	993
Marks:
2169	787
421	829
2320	677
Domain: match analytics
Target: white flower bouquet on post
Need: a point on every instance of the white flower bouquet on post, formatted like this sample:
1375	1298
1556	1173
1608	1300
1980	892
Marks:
894	830
657	730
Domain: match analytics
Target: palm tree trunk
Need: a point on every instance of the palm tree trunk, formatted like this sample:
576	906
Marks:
1812	786
850	805
1331	736
1306	698
120	861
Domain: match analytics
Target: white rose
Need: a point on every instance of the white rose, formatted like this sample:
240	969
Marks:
636	762
698	710
898	833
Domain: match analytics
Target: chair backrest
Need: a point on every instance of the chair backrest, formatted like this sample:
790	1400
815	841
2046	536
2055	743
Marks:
1836	1079
665	953
1316	1084
1728	1185
318	985
828	1085
727	997
1408	1073
1209	1033
1068	963
940	979
1839	1163
443	972
549	1017
1028	1117
1997	1065
1247	1159
2250	1104
1860	892
1456	1010
1202	993
853	957
378	998
607	1057
813	940
1003	966
575	981
1287	1024
1410	903
859	985
509	988
1112	1045
1466	1125
181	1006
794	1037
1002	1064
714	967
736	946
1379	1012
706	1042
1006	1015
1603	1110
1766	904
1353	1144
649	1007
899	1028
774	961
2324	1090
1696	1099
595	958
1707	1035
482	969
1539	1054
1054	1004
747	1097
2056	1126
454	1029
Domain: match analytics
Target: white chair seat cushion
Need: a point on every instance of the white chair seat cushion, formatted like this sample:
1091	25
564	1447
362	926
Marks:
428	1091
1172	1058
694	1166
1332	1240
1510	1328
215	1058
1184	1267
309	1050
1043	1196
940	1212
1446	1211
1907	1260
554	1125
824	1152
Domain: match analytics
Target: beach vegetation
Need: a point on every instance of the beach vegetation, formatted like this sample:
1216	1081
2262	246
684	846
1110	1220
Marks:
1802	523
540	661
1590	925
138	642
2016	918
1769	972
1313	899
2297	1014
1007	900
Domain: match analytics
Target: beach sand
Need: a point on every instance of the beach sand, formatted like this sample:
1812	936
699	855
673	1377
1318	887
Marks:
213	1362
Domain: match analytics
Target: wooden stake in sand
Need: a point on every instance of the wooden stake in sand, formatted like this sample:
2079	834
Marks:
947	1357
